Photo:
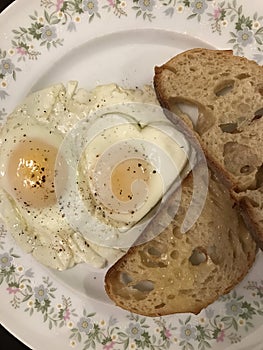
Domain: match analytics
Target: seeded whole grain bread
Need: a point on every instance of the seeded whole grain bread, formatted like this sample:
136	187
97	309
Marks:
184	272
227	90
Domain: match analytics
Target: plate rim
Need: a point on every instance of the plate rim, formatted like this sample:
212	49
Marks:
11	82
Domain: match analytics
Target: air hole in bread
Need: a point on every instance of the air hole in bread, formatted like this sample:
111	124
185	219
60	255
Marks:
170	296
240	159
153	260
224	88
144	286
208	279
162	264
242	76
230	128
177	233
246	169
225	74
125	278
174	254
198	256
159	306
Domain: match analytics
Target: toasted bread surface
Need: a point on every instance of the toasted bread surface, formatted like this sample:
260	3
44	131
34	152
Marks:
184	272
227	90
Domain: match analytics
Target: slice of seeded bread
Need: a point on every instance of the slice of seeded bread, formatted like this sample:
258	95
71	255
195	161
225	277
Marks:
227	91
177	272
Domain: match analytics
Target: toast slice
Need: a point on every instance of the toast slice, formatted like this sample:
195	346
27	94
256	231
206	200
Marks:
184	272
227	93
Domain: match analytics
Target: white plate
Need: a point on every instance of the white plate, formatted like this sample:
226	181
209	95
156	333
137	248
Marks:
115	41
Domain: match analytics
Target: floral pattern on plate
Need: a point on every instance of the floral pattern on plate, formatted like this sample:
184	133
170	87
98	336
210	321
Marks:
242	310
191	332
43	32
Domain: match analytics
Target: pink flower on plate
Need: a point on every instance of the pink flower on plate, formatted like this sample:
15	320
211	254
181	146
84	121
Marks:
221	336
111	2
217	13
21	51
167	333
66	315
12	290
109	346
59	5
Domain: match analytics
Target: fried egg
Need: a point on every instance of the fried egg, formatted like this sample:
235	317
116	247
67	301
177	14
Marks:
123	160
28	199
79	170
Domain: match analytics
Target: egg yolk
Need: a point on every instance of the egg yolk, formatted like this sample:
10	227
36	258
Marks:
31	172
126	173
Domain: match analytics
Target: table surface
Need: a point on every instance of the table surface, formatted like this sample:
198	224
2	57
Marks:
9	341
